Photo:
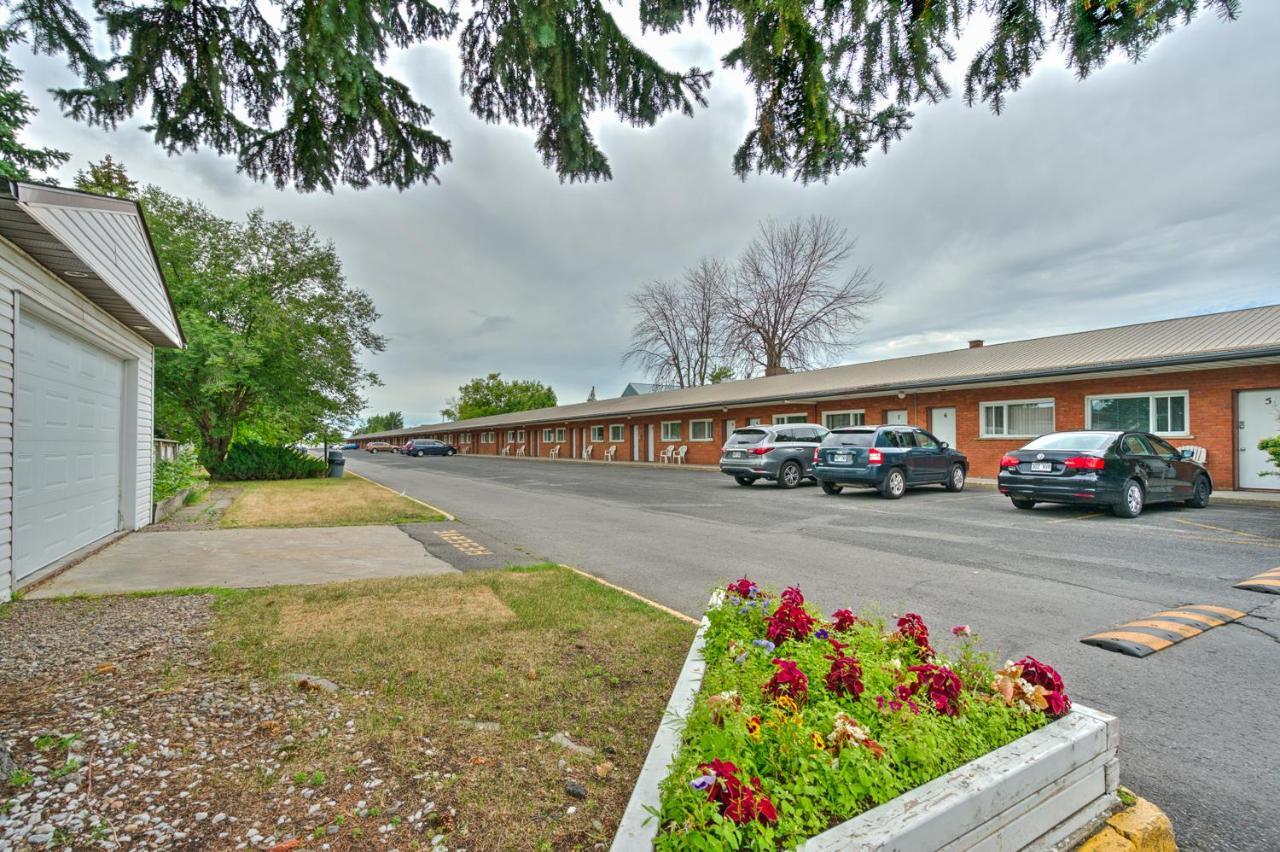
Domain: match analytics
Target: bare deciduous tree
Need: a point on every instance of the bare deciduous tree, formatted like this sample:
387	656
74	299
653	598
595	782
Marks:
790	304
679	337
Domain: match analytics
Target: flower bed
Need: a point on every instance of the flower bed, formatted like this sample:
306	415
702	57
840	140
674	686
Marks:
804	721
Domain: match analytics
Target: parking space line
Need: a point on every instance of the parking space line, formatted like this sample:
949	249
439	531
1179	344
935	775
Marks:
1076	518
1144	636
1267	582
1222	529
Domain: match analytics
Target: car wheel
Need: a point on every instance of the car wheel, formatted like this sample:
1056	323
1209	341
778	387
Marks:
789	475
895	484
449	452
745	480
832	488
1131	502
1199	493
955	480
1023	503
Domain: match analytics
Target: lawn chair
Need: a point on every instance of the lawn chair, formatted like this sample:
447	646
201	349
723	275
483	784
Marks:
680	454
1198	454
555	452
586	451
666	454
505	451
520	450
611	453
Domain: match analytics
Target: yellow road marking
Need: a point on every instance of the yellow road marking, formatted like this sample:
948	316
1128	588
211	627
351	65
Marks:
1077	518
668	610
1221	529
1194	616
462	543
1231	614
1153	642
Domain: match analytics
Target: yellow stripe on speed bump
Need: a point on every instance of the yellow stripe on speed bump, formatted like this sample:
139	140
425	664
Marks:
1145	636
1267	581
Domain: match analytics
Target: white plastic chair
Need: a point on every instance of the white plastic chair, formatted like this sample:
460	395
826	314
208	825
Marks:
680	454
505	451
610	453
586	451
667	453
1198	454
555	452
520	450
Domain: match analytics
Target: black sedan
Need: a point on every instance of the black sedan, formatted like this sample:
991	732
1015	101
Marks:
1121	470
427	447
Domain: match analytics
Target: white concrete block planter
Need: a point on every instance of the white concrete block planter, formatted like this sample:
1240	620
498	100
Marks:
1044	791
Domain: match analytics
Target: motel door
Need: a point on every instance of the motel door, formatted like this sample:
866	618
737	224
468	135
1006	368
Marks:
1257	417
896	417
942	423
635	442
648	444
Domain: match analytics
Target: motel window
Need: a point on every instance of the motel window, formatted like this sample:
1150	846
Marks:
700	430
671	430
1161	413
1022	418
519	436
466	437
511	436
789	418
616	432
548	436
753	421
597	434
840	419
560	435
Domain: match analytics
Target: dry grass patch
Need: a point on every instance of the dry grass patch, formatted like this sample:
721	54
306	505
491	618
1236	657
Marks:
422	660
349	501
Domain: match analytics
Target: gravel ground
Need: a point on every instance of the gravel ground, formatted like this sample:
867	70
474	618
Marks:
125	738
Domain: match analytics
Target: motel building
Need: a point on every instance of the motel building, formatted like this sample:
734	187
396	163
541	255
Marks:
1211	382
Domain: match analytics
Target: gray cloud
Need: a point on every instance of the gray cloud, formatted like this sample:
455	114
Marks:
1143	192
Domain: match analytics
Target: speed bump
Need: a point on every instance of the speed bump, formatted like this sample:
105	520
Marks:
1267	581
1156	632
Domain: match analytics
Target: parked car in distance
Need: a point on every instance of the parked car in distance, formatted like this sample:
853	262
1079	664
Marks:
782	453
377	447
1121	470
427	447
350	445
890	459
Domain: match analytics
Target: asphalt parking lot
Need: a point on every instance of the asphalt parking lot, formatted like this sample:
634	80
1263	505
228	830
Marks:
1198	719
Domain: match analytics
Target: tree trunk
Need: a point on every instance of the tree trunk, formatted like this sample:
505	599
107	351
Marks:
213	451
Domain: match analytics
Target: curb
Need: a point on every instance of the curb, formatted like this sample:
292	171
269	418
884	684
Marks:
668	610
1141	827
436	509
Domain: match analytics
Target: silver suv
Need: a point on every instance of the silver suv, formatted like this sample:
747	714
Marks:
782	452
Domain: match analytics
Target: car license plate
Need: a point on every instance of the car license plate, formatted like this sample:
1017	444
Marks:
840	458
1041	467
737	454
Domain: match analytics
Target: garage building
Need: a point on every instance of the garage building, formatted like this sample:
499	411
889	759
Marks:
1211	382
83	306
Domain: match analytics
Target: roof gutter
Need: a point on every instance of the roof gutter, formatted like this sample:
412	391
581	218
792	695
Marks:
1062	372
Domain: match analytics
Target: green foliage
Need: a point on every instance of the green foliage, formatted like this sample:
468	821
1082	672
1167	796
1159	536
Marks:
174	475
296	92
382	423
723	373
491	394
107	178
1271	446
18	161
812	782
274	332
250	460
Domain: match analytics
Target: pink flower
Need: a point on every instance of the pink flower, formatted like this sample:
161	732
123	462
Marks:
942	686
961	630
792	595
912	627
1044	676
744	588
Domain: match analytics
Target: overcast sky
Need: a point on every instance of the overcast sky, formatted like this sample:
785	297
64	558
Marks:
1144	192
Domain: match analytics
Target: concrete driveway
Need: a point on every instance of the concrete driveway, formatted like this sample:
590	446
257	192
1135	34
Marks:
245	558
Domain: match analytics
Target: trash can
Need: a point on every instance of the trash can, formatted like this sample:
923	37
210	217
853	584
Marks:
337	462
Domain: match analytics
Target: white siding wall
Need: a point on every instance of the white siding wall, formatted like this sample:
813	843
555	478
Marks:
41	292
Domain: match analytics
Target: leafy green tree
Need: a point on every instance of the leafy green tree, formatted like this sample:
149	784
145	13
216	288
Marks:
273	330
492	394
383	423
297	91
107	178
1271	446
722	373
18	161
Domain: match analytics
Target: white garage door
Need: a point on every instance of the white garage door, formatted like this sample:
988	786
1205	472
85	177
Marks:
66	449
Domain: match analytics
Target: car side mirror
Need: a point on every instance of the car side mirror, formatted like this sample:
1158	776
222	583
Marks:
944	445
1186	453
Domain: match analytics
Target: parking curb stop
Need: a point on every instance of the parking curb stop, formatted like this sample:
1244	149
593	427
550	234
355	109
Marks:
1141	827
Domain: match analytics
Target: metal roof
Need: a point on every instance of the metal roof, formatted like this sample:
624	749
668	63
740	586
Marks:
54	226
1184	341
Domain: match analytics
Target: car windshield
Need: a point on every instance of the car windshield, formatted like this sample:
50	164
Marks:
1086	441
852	438
746	437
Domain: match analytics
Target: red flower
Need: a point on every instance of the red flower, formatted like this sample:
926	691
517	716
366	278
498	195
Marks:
788	680
912	627
942	685
845	676
1042	675
843	619
792	595
738	802
744	588
789	621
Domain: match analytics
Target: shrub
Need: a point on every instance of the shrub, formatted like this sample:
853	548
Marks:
173	475
789	737
253	460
